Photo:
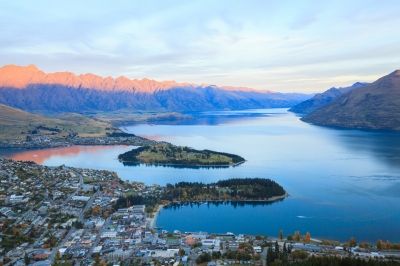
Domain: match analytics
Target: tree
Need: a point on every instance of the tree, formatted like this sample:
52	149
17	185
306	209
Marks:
99	262
58	256
307	237
281	234
379	245
26	259
52	240
58	261
259	237
181	252
204	257
96	210
297	236
299	255
216	255
276	248
352	242
270	255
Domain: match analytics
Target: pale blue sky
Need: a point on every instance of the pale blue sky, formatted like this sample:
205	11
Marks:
276	45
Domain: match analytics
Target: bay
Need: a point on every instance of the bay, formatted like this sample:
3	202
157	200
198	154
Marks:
342	183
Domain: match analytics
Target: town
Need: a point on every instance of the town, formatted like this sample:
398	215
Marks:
38	139
73	216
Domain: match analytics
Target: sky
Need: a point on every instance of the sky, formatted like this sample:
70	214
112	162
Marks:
287	46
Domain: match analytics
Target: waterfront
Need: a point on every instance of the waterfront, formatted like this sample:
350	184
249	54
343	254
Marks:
342	183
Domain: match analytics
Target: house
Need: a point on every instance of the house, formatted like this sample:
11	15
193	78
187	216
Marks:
211	243
80	198
257	249
43	210
14	199
109	234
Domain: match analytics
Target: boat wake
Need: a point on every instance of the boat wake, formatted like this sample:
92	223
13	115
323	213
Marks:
303	217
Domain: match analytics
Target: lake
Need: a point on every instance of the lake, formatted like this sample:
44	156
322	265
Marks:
342	183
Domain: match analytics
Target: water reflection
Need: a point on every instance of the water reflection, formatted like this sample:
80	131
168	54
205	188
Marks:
217	118
41	156
180	166
384	146
234	204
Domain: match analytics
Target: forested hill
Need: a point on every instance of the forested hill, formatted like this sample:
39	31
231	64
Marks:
231	189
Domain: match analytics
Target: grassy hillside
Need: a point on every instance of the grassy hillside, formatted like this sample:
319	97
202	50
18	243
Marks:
17	124
129	117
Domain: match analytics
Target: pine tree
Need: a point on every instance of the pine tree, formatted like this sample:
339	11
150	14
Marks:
307	237
26	259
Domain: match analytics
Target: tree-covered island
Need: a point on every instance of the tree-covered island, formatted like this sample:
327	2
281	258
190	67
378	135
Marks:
168	154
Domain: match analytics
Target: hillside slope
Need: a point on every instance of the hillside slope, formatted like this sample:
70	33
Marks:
374	106
17	124
323	99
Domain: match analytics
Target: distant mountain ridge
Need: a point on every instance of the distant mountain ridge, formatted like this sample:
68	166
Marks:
31	89
373	106
322	99
22	76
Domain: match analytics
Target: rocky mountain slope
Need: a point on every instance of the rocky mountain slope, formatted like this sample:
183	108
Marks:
323	99
31	89
374	106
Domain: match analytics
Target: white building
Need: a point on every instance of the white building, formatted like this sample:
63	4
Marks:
109	234
17	199
210	243
80	198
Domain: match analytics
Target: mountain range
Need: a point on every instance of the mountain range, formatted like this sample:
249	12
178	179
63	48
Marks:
30	89
323	99
364	106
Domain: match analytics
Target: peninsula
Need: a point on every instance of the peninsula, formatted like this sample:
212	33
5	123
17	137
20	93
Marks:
234	189
168	154
230	190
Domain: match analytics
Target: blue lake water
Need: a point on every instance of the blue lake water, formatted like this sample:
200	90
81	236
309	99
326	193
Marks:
342	183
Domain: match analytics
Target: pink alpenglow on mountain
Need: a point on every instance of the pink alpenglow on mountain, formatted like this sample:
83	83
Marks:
22	76
29	88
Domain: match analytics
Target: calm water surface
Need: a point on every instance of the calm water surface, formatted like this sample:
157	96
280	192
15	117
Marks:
342	183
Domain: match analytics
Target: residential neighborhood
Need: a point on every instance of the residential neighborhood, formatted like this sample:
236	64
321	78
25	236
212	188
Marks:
72	216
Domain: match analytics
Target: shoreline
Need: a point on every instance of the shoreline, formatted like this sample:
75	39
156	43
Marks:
271	199
76	141
179	165
153	220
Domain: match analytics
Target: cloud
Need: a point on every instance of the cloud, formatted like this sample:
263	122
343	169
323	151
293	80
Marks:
285	45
